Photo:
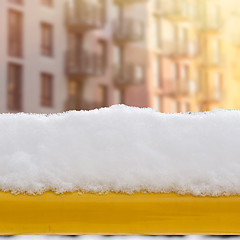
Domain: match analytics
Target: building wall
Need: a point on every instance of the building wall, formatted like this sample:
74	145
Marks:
32	61
156	90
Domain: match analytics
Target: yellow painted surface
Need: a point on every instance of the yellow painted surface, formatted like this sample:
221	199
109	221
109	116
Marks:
118	214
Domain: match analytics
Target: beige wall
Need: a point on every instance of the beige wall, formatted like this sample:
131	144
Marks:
33	63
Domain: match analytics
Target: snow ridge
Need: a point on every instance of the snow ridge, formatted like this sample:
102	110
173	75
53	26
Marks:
121	149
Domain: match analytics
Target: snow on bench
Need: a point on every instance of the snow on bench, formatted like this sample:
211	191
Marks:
121	149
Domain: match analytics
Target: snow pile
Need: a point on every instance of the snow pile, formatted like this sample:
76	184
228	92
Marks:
121	149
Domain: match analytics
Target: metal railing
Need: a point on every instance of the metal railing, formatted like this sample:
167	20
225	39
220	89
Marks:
74	103
176	8
176	87
84	63
84	14
184	49
128	30
128	74
211	25
210	61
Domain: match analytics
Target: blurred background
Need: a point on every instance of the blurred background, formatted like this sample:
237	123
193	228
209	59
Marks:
170	55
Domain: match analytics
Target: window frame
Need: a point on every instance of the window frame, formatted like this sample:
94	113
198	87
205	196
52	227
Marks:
47	95
14	96
47	47
15	33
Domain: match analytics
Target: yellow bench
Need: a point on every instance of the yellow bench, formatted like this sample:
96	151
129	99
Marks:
74	213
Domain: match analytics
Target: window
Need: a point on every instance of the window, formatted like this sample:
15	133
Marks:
183	83
118	58
74	49
102	54
16	1
138	74
46	90
156	32
48	3
215	15
193	10
119	96
75	41
15	29
47	39
217	86
197	81
156	71
158	103
102	96
183	40
216	51
14	87
183	7
174	74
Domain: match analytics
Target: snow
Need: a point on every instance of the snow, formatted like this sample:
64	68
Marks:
121	149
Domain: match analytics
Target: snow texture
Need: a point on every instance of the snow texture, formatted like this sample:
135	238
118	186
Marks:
121	149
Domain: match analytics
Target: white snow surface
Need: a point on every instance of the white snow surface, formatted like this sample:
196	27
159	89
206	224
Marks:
121	149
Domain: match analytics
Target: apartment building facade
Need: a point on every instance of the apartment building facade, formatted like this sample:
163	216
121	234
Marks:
212	65
32	77
62	55
108	54
173	52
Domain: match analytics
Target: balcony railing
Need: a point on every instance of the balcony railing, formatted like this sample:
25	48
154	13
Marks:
125	2
184	49
210	99
211	62
128	30
75	104
211	25
176	87
177	10
83	15
129	74
84	63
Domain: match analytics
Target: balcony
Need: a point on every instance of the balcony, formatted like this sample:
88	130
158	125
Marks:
84	64
129	74
74	103
180	50
128	2
129	30
211	26
176	88
209	100
176	10
215	63
82	15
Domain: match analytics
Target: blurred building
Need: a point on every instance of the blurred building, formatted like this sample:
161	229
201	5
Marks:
212	63
32	76
164	54
106	57
171	55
